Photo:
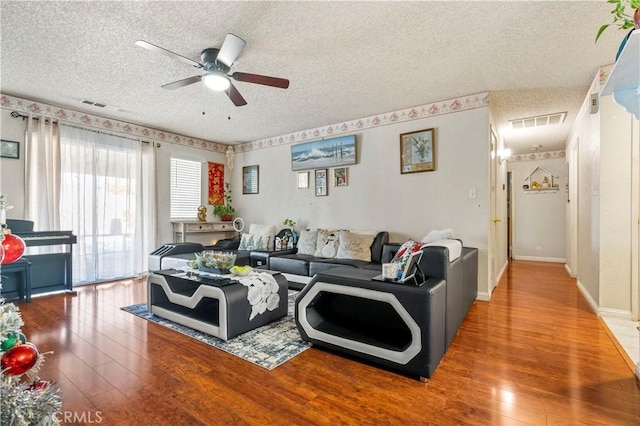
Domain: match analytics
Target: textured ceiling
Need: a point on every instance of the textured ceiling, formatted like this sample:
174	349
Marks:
345	60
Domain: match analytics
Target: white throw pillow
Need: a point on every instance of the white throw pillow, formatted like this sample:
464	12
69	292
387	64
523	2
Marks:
307	242
254	242
327	243
268	230
354	246
438	234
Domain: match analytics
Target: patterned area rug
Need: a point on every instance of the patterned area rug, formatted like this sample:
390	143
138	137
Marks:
267	346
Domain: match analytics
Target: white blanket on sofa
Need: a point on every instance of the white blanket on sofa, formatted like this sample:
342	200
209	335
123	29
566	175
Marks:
454	246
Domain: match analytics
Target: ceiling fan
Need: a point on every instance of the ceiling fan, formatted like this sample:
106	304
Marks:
217	66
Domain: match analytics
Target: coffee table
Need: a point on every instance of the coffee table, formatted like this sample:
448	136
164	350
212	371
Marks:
220	310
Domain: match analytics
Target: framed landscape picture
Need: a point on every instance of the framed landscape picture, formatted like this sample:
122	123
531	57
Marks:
417	151
333	152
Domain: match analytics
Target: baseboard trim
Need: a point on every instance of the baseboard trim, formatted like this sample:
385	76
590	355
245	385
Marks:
502	271
616	343
638	371
541	259
615	313
568	269
592	303
484	296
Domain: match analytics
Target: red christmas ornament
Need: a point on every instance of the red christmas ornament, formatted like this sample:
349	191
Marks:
13	248
39	385
19	359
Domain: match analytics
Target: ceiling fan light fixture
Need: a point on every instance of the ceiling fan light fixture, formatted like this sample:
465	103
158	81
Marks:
217	82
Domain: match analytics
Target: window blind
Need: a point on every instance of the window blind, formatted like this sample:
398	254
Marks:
185	188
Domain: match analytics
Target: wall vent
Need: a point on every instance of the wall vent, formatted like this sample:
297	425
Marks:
99	105
541	120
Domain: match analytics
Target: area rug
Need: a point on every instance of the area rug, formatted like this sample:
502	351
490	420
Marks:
268	346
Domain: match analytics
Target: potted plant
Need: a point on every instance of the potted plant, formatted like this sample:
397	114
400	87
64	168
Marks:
225	211
621	18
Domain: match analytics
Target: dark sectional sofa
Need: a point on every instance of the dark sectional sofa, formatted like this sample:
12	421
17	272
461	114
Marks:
298	266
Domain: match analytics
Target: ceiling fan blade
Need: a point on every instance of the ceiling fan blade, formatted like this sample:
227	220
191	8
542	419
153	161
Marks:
181	83
230	49
235	96
158	49
261	79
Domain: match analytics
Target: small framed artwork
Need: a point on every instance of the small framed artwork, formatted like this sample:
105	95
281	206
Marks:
340	176
303	179
417	151
250	178
9	149
321	182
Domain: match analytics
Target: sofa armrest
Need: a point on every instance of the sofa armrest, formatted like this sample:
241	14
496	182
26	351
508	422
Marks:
261	258
388	251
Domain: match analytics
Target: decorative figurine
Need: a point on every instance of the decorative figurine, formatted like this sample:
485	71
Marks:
202	214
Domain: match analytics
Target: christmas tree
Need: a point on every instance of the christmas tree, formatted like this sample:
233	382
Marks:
26	400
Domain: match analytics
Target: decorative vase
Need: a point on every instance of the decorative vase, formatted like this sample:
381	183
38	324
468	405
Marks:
636	19
226	217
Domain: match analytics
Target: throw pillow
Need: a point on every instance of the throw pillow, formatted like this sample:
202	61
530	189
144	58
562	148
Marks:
327	243
254	242
354	246
405	251
307	242
438	234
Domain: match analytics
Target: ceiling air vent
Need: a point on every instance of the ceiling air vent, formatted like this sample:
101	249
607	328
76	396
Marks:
541	120
99	105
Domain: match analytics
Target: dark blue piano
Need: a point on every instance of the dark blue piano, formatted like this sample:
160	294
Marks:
51	268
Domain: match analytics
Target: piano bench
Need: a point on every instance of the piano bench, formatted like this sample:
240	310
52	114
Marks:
21	268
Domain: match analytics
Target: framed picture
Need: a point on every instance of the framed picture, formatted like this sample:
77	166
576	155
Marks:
417	151
303	179
250	177
340	176
9	149
325	153
321	182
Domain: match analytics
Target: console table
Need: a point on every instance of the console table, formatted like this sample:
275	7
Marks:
183	227
222	311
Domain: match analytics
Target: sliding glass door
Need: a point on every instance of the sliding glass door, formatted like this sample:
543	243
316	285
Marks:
100	176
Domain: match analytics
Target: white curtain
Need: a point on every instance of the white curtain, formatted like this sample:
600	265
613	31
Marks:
42	173
108	203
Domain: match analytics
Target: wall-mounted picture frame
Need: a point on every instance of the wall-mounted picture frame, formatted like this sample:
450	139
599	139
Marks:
9	149
321	182
332	152
417	151
340	177
250	179
303	180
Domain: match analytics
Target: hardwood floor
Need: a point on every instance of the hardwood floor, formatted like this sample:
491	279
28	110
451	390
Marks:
534	355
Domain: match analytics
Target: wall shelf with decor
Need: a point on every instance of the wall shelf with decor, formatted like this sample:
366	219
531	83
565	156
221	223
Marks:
540	181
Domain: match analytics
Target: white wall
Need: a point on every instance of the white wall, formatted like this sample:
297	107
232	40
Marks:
616	213
12	171
378	197
539	218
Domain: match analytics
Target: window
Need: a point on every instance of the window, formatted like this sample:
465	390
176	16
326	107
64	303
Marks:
185	188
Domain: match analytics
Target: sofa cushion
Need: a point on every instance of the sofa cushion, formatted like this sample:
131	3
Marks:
255	242
307	242
354	246
327	243
291	264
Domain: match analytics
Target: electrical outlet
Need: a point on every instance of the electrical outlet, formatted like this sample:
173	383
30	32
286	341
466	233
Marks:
472	193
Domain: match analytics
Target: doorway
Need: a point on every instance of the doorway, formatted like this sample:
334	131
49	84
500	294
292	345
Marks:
509	216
